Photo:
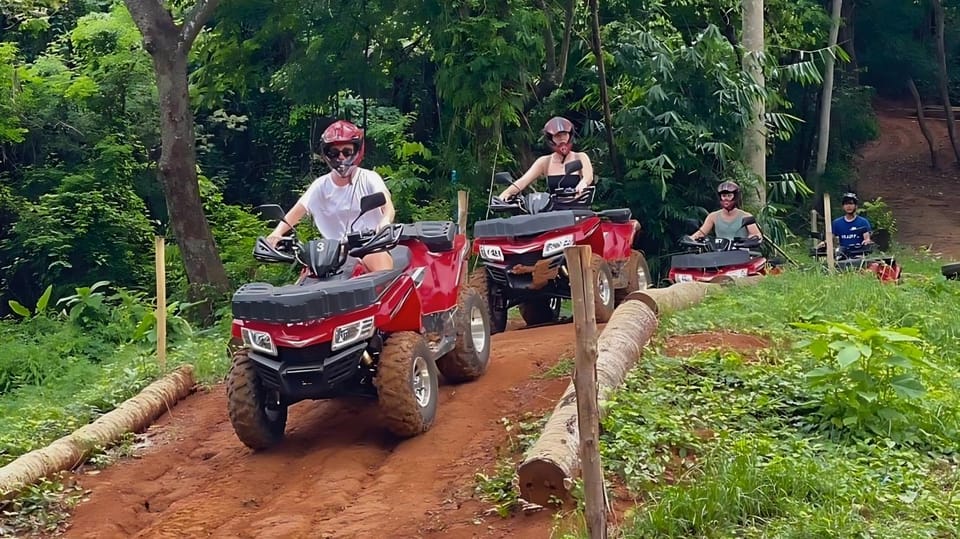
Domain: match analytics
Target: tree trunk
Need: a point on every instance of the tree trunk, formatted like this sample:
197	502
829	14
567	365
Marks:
169	46
922	120
944	78
755	135
602	73
552	463
826	99
846	40
133	415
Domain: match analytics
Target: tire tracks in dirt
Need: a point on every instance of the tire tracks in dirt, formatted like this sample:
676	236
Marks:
338	472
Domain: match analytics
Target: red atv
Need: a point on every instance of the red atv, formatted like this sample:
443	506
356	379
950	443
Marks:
708	258
522	254
340	330
857	258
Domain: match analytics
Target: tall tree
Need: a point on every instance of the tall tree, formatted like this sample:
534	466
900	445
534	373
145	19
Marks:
604	98
169	43
944	82
826	96
755	137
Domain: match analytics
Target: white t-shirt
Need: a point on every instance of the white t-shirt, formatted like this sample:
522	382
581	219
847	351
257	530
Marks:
333	207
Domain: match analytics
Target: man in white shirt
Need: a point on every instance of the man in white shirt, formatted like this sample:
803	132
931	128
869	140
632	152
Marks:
333	200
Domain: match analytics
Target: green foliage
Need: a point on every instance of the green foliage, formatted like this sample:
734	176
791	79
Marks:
880	215
867	374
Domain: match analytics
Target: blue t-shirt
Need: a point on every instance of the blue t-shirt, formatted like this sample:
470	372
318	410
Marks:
850	232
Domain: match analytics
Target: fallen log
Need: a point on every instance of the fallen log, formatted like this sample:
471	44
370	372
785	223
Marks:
133	415
549	466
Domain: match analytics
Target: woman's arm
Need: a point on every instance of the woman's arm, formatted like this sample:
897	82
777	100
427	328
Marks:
705	228
536	170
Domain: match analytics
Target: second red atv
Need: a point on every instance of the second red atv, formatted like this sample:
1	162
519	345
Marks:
340	330
522	255
712	257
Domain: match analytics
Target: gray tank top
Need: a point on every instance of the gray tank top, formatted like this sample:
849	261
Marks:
729	229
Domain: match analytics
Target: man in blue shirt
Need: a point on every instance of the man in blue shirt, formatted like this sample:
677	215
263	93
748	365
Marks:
851	229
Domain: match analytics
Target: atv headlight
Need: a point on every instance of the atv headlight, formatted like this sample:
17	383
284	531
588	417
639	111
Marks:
350	333
259	341
556	245
491	253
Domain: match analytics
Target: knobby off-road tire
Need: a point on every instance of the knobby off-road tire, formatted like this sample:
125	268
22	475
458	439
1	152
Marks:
540	311
480	281
471	355
638	276
257	424
407	384
603	293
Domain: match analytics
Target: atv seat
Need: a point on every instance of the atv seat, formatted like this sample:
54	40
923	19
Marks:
616	215
438	236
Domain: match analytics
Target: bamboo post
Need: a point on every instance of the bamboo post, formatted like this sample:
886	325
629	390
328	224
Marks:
585	382
814	227
463	198
828	232
161	313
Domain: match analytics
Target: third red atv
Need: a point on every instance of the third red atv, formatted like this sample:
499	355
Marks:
523	260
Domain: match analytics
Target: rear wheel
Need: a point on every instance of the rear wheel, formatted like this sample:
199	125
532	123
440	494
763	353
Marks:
603	296
407	384
638	275
471	355
480	280
258	415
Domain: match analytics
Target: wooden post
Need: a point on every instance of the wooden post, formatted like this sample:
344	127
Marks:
828	232
161	313
463	197
814	227
585	382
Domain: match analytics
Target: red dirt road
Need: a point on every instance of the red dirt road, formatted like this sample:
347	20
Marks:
337	473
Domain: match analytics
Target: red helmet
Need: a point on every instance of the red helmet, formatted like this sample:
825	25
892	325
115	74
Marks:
558	124
341	132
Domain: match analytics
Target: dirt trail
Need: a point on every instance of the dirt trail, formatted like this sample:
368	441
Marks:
337	473
896	166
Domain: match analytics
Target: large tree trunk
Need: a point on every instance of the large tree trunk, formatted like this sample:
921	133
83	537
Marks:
604	98
169	45
133	415
922	120
553	461
944	81
755	134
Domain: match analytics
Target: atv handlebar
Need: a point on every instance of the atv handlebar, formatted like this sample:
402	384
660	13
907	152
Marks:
720	244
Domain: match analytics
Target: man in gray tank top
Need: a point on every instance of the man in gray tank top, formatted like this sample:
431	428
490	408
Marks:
727	222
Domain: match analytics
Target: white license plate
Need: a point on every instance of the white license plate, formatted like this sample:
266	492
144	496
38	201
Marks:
737	273
684	278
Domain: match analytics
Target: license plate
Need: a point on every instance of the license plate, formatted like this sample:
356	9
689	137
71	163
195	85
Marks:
684	278
737	273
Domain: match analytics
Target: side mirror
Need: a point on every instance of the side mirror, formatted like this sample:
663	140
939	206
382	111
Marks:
817	235
269	212
691	225
749	220
573	166
503	178
372	202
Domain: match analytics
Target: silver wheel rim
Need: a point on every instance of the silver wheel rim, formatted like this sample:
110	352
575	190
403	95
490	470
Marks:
478	330
421	381
603	287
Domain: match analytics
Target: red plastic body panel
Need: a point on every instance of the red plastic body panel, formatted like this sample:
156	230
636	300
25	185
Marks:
617	239
757	266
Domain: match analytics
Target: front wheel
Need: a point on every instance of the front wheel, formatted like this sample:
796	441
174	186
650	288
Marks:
638	276
471	354
480	280
407	384
258	416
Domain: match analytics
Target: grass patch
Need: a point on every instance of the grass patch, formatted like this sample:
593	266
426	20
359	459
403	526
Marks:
719	446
